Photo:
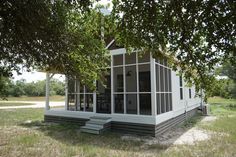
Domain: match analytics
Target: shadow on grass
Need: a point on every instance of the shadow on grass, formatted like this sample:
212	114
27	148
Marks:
70	135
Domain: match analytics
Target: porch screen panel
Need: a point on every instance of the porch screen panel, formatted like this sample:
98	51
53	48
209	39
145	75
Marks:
143	57
163	87
144	78
145	104
132	83
71	94
81	102
118	79
103	95
131	103
130	58
79	96
89	102
118	60
119	103
131	79
144	89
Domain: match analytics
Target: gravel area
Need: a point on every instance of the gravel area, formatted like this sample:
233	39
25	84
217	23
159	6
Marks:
177	135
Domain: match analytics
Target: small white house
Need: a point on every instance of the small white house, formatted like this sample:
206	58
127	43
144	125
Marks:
142	96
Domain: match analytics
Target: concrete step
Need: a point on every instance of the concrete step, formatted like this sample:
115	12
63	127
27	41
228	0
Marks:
100	119
95	125
96	122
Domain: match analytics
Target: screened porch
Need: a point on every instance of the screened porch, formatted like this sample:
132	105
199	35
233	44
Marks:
136	84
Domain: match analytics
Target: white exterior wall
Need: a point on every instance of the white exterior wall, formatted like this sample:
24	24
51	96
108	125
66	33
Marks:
179	106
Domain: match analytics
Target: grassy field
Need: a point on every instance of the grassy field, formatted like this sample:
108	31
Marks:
38	98
23	133
219	100
3	103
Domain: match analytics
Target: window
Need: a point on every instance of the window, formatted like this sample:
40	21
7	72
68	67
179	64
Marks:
181	93
190	93
181	87
180	81
163	87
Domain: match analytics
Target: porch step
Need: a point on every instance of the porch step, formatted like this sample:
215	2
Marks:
96	125
95	122
100	119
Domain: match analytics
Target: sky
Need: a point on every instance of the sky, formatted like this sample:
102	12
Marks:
36	76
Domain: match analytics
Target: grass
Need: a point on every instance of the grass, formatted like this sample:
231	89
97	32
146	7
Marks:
23	133
36	98
4	103
219	100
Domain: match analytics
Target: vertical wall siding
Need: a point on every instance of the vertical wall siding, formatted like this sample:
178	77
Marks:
164	126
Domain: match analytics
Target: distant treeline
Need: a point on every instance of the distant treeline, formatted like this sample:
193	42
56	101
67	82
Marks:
22	88
225	88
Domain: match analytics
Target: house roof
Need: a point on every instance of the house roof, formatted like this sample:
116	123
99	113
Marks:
113	45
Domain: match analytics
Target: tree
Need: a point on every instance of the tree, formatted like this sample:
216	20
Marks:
4	87
66	35
227	69
63	36
194	35
58	87
225	88
22	88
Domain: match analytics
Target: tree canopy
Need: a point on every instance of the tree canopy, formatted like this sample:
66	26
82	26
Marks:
66	35
55	35
195	35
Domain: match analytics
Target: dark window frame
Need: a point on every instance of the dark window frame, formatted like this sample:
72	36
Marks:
190	93
181	87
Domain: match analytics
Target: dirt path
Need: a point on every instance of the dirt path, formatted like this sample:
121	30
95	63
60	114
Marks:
37	104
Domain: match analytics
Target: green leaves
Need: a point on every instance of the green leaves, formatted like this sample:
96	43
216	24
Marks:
197	35
61	36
